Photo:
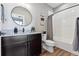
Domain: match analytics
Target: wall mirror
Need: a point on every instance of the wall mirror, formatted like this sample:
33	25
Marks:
21	16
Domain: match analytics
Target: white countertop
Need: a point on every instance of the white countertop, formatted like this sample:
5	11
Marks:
13	34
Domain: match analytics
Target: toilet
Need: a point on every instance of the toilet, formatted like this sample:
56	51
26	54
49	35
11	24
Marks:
47	44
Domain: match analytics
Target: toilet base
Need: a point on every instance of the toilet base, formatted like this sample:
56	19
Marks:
48	48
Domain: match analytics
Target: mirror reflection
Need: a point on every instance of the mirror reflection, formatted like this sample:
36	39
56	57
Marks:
21	16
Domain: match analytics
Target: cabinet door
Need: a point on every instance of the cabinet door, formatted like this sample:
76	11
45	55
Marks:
35	44
19	50
16	50
13	46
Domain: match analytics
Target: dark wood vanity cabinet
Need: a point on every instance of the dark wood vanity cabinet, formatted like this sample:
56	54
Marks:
24	45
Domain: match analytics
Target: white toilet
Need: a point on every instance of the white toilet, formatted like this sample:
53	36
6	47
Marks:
47	44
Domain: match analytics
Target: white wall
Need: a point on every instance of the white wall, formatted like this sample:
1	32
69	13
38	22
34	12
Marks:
50	12
35	9
0	29
64	24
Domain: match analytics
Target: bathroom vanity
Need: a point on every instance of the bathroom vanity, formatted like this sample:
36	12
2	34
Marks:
21	45
16	41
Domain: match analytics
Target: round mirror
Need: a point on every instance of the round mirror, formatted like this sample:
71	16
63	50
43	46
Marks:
21	16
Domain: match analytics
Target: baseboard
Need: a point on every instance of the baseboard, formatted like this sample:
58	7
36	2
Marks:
65	46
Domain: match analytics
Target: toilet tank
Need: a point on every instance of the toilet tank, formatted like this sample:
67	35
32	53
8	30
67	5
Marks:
44	36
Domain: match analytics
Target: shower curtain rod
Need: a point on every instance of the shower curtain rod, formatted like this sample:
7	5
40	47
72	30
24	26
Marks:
65	9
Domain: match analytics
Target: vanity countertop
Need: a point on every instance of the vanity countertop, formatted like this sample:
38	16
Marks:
19	34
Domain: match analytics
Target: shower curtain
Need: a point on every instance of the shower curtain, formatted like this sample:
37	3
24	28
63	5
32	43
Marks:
76	41
49	28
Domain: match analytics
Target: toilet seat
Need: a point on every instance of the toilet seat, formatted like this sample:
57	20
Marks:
50	42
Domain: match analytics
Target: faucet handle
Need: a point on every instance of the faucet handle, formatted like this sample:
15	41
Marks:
23	30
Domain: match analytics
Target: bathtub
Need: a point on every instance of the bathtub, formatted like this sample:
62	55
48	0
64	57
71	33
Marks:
61	43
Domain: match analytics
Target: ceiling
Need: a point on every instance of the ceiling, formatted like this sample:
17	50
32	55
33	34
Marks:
54	5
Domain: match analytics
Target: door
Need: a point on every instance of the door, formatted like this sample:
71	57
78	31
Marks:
34	44
13	46
15	50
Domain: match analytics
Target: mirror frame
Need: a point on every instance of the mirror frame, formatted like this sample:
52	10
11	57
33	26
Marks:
27	10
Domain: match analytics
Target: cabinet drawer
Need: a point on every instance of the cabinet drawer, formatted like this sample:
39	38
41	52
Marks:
13	40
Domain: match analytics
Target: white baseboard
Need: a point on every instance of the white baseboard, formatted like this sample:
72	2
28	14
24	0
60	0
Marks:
65	46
